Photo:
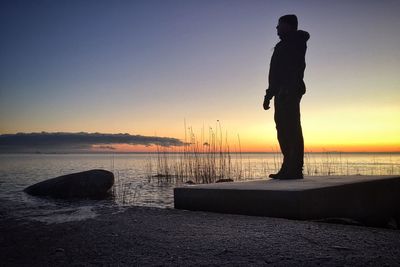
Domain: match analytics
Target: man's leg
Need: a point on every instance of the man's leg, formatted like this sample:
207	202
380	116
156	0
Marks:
296	142
282	135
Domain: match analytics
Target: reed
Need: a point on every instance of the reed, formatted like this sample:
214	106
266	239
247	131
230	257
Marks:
207	159
125	192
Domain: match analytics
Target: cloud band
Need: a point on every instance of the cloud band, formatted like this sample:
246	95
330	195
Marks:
25	142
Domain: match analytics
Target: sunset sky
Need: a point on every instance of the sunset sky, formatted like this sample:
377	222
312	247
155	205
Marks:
143	67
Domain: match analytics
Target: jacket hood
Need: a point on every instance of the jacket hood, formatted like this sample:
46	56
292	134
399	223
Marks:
297	36
303	35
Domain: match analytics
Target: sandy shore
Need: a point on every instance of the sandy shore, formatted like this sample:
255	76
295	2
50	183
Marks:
151	236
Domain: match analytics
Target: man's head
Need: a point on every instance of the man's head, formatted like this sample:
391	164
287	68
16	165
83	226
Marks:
286	24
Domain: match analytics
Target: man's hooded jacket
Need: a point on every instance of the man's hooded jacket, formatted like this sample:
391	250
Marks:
287	65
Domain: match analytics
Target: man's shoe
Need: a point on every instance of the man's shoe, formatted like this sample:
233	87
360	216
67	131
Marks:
275	175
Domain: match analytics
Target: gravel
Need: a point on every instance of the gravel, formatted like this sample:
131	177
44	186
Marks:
153	236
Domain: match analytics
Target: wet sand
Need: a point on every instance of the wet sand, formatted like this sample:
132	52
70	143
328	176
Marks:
152	236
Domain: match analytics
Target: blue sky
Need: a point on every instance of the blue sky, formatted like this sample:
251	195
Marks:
142	67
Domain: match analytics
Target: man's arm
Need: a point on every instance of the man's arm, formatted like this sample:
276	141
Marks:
270	93
272	79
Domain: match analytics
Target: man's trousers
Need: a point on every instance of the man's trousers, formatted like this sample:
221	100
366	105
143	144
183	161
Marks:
290	135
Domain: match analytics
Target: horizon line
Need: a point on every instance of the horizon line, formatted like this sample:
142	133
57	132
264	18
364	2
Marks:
189	152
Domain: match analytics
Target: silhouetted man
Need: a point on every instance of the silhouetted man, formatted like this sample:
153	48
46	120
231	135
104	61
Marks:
287	86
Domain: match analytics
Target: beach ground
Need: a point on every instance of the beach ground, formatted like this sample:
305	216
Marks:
153	236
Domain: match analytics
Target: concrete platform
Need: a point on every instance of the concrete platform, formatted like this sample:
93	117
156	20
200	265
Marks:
364	198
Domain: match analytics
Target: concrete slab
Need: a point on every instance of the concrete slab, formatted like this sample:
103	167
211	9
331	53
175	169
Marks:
365	198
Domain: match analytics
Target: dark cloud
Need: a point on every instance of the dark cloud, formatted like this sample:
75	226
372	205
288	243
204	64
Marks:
60	141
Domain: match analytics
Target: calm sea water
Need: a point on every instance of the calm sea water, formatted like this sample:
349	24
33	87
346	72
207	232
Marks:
133	185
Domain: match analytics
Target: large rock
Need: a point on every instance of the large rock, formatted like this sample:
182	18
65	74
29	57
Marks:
87	184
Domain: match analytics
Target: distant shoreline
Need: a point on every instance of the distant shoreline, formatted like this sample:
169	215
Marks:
143	152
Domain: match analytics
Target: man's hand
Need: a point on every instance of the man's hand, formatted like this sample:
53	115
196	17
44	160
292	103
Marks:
266	104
